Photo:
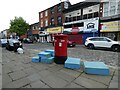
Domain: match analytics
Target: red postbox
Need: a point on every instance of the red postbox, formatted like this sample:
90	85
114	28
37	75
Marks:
60	46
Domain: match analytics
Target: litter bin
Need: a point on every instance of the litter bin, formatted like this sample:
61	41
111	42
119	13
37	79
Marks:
60	47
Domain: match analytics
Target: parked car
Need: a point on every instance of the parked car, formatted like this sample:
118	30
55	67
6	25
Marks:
102	42
3	42
69	43
27	40
13	44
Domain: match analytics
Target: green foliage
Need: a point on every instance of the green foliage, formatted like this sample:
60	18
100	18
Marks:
18	25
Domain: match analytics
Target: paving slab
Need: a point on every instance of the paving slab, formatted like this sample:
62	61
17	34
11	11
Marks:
6	69
30	71
88	83
65	76
40	66
45	73
74	85
101	79
18	83
37	84
71	72
17	68
113	84
46	86
56	68
6	79
34	77
17	75
54	81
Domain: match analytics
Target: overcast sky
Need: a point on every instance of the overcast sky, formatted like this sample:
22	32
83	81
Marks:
28	9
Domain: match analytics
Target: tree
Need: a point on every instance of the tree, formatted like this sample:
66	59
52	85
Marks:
19	26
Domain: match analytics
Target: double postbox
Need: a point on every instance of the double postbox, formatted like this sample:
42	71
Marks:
60	47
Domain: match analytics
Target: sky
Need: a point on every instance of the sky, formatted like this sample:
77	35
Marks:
28	9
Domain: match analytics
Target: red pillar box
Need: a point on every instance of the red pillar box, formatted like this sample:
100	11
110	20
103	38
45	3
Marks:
60	46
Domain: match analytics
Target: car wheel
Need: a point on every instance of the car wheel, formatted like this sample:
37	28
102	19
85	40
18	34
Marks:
116	48
91	46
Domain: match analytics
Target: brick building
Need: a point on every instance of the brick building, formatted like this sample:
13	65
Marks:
51	20
33	31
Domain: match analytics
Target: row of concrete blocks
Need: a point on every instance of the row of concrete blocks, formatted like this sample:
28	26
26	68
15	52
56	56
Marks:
46	56
98	68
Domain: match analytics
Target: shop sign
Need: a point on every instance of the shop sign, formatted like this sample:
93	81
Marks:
91	26
110	26
55	30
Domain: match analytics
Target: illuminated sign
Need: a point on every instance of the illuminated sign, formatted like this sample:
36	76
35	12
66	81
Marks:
110	26
55	30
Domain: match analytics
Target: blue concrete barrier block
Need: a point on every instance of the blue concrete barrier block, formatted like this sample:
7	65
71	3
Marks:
48	60
50	51
73	63
35	59
44	55
98	68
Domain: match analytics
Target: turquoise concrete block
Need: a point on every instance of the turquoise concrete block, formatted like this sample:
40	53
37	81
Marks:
50	51
44	55
98	68
48	60
35	59
73	63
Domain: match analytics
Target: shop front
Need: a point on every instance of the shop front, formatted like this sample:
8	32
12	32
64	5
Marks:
111	30
78	31
53	31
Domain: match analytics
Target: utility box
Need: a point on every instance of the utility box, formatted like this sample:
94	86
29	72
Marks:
60	47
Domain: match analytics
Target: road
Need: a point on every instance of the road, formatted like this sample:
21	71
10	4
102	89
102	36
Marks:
80	51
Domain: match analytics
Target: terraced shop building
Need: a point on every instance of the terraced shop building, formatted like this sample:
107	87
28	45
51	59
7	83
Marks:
110	19
82	21
51	20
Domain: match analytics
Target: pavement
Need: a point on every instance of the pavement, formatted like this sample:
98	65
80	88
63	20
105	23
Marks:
19	72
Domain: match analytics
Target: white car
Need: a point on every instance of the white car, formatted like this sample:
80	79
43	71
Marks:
102	42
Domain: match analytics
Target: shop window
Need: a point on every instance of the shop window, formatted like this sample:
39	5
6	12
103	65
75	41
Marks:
118	10
52	21
96	14
90	15
46	13
85	16
68	26
70	19
79	17
41	23
41	15
78	24
59	8
46	22
66	19
59	20
52	10
74	18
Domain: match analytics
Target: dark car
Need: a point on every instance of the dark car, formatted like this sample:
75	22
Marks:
27	40
69	43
